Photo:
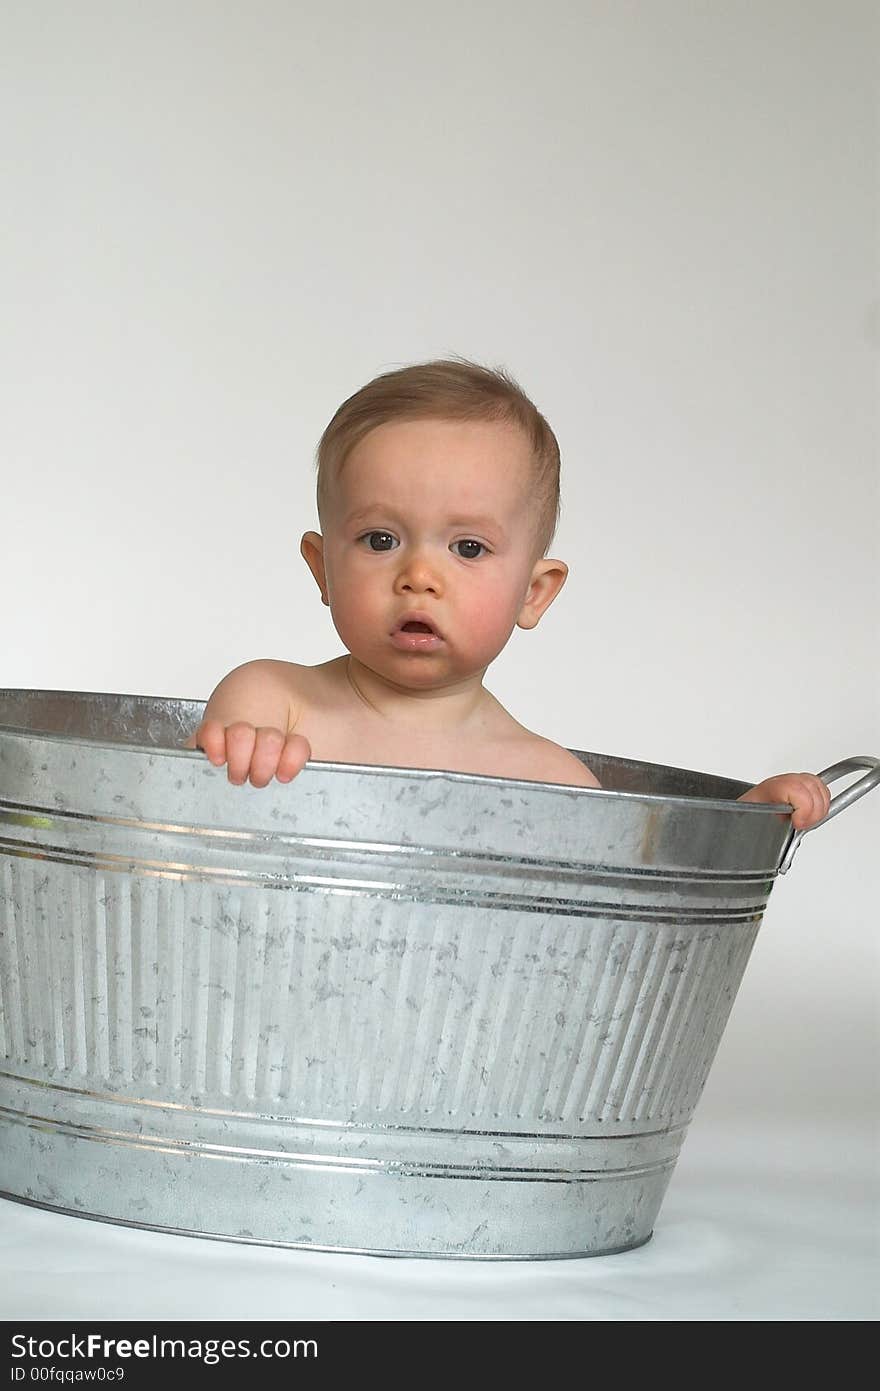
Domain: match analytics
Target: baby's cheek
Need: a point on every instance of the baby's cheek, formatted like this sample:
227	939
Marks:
353	612
490	621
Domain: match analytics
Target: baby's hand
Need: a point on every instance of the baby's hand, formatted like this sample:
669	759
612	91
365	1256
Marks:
258	754
804	791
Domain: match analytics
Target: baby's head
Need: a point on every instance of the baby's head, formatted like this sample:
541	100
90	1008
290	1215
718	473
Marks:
451	390
438	494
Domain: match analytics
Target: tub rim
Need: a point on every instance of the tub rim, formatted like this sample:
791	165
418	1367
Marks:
394	770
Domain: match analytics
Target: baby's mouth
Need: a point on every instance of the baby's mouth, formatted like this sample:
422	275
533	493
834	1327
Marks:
416	633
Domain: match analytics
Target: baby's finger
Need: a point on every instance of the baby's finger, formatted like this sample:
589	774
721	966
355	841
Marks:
267	751
821	798
801	798
240	740
211	737
817	810
808	801
295	755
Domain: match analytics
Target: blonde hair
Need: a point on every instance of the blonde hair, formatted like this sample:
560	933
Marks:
448	389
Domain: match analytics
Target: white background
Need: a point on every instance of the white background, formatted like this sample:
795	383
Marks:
219	220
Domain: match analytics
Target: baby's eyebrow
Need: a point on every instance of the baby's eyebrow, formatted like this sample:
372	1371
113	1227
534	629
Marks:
479	523
368	512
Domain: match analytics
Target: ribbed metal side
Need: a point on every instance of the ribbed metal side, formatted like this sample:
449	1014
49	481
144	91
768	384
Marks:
344	1007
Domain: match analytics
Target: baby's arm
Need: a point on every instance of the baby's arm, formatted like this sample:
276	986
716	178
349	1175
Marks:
804	791
249	724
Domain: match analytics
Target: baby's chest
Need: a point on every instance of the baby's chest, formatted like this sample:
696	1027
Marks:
347	739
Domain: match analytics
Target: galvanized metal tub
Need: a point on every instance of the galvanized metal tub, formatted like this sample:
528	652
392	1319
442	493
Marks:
383	1010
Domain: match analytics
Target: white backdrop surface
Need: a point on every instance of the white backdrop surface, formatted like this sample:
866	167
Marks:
220	220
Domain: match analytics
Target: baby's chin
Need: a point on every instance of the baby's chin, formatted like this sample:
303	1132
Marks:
418	671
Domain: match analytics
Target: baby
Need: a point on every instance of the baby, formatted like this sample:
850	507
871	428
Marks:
438	498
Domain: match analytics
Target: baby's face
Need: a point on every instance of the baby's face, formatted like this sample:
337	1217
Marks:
430	517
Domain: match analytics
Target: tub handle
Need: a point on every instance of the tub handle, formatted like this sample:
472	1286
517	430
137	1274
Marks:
841	801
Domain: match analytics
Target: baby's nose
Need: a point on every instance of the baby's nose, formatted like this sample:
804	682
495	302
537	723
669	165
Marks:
418	576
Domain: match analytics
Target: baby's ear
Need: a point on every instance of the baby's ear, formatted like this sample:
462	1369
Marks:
312	550
548	577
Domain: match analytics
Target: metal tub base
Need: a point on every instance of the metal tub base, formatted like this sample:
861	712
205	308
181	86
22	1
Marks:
283	1184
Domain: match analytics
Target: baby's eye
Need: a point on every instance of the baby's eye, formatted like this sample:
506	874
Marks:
471	549
380	540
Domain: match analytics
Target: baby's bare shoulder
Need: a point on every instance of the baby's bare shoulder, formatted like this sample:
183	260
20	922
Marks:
310	691
264	692
544	761
269	673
